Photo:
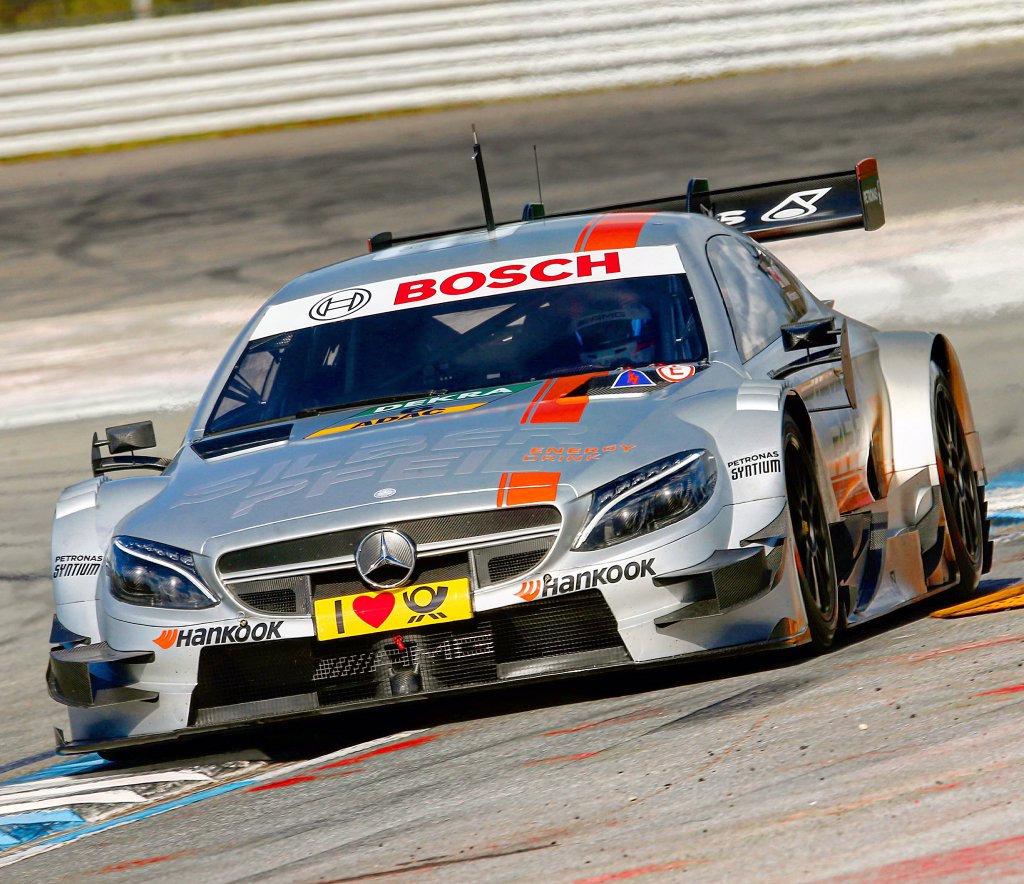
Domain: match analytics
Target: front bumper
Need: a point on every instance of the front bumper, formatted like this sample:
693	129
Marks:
247	684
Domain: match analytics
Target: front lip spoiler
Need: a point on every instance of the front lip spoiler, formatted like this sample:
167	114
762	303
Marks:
81	676
76	747
725	580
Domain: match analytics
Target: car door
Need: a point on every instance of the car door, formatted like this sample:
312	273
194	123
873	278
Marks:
760	296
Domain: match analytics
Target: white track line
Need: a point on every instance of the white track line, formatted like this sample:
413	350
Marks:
57	841
112	796
71	785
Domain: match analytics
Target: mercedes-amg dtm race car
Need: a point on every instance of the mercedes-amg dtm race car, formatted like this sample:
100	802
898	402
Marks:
598	439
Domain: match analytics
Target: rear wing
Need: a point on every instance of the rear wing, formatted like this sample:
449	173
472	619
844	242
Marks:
799	206
779	209
775	210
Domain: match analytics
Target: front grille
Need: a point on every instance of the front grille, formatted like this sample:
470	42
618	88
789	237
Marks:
280	595
572	623
243	673
432	569
436	529
506	567
490	565
496	564
568	633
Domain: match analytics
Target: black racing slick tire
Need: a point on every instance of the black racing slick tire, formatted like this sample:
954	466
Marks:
811	542
958	484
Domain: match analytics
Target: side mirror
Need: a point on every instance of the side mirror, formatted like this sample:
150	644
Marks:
810	333
121	443
806	335
130	437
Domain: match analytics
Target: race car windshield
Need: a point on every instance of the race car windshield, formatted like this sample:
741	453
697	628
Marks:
455	346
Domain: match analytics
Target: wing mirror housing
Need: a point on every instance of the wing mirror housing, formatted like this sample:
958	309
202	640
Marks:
810	333
820	333
121	443
807	335
130	437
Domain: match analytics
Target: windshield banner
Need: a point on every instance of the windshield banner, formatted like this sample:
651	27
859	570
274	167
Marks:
476	281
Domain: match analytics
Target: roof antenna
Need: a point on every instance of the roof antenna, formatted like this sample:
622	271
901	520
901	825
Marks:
536	165
535	211
478	158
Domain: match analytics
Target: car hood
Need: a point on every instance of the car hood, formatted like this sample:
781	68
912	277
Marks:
537	443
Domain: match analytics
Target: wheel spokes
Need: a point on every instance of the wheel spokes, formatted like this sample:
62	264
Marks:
957	474
811	542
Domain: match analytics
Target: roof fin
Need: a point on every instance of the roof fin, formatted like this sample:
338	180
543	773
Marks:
533	211
379	241
697	197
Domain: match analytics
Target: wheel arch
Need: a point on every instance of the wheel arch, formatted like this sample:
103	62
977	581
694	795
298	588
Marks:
795	407
945	357
905	359
85	519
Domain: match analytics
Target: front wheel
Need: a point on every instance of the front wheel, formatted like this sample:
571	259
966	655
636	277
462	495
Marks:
812	544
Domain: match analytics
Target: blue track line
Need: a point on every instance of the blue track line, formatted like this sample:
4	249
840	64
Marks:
66	768
1013	481
67	837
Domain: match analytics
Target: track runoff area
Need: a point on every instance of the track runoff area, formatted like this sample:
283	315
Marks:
900	749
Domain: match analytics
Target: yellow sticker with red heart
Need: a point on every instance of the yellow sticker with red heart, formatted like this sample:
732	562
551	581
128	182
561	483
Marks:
391	609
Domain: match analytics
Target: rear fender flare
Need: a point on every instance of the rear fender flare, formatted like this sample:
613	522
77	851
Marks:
945	357
905	359
911	476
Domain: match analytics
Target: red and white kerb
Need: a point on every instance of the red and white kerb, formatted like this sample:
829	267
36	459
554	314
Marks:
475	281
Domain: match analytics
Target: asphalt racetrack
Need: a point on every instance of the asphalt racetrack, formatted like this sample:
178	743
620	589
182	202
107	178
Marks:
897	757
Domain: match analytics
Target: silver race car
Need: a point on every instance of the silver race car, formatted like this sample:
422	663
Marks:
599	439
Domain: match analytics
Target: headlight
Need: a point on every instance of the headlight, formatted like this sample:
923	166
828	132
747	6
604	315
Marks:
142	572
652	497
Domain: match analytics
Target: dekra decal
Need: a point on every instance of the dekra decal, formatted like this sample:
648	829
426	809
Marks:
392	418
431	401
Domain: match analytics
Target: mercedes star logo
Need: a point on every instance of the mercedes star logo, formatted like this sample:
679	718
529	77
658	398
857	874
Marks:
385	558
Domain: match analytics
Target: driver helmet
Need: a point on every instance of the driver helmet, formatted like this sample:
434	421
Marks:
622	336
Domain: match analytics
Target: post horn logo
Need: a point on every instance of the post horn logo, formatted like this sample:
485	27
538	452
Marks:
385	558
338	305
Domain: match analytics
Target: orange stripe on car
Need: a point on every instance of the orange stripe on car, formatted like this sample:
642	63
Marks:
553	405
533	402
583	234
517	489
502	484
619	230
